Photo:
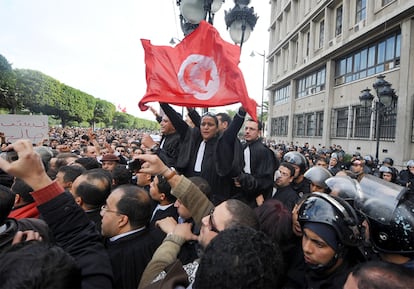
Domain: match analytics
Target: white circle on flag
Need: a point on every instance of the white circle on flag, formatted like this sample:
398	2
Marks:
198	76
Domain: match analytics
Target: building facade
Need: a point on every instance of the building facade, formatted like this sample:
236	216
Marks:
322	54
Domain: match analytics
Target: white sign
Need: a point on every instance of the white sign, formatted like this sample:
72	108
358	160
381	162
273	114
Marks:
32	127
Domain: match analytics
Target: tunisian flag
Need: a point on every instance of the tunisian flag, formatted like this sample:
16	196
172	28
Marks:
201	71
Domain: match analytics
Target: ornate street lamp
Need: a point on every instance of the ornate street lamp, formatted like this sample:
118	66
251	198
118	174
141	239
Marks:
385	98
240	21
193	11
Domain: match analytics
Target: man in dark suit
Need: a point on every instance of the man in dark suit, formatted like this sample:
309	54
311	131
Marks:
283	190
129	242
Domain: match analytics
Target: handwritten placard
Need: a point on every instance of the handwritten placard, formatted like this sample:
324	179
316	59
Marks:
32	127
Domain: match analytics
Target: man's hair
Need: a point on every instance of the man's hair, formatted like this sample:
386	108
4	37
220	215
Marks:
121	176
382	275
241	215
242	258
136	204
276	221
225	117
70	173
88	163
6	202
95	188
259	123
23	189
165	188
35	264
202	184
288	166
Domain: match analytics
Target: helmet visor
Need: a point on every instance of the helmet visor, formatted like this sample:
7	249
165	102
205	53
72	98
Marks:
378	199
343	187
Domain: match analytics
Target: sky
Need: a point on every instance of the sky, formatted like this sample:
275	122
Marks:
94	45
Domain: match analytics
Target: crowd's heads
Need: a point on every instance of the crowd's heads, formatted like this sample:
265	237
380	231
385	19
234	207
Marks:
45	154
276	221
379	275
92	188
240	257
23	189
127	208
35	264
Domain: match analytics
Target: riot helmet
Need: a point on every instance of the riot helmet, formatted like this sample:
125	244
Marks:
335	212
298	159
318	175
410	163
388	161
390	214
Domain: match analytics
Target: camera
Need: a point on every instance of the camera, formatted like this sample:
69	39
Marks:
134	165
11	156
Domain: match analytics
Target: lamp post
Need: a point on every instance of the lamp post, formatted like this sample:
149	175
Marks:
240	20
263	55
385	97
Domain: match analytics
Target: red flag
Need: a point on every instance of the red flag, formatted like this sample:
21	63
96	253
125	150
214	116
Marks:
201	71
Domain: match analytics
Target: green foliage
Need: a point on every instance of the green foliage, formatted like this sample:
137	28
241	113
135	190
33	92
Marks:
4	64
38	93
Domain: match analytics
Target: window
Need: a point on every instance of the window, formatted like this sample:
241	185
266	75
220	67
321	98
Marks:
321	33
340	122
360	125
338	22
362	122
361	10
385	2
309	124
282	94
279	126
376	58
311	83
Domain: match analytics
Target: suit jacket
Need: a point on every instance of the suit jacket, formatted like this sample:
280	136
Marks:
288	196
129	256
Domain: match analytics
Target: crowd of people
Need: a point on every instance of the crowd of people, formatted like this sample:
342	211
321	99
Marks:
196	205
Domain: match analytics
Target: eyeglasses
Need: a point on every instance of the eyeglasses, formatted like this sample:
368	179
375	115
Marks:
211	222
105	209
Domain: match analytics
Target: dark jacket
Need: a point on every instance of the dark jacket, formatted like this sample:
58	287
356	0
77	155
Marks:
287	195
190	140
129	256
78	236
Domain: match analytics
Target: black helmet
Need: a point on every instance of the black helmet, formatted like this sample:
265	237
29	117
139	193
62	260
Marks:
298	159
390	214
318	175
335	212
388	161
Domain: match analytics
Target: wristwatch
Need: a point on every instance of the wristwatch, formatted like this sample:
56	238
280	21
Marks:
170	173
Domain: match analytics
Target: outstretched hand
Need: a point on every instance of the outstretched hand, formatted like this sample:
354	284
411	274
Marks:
152	164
